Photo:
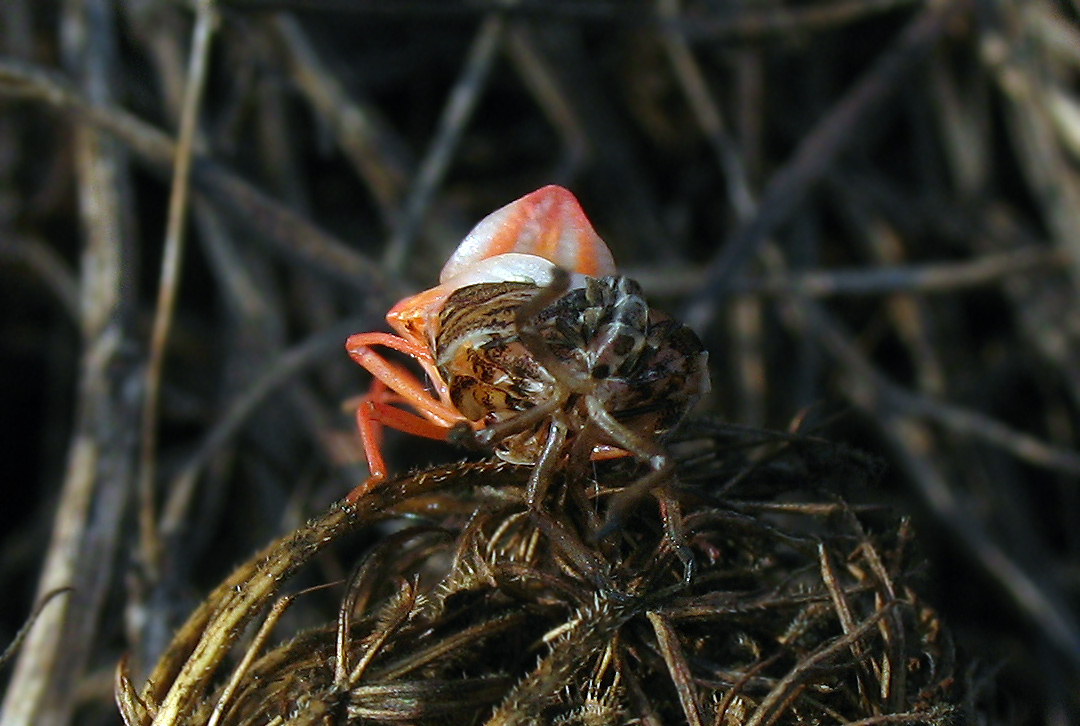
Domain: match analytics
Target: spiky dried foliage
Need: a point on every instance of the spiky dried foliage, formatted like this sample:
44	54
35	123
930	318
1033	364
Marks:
487	613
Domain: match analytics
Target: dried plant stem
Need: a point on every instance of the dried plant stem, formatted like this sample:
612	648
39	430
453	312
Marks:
17	641
791	682
47	265
755	21
86	532
363	136
899	411
932	278
169	283
280	371
1046	608
541	79
257	643
868	384
179	680
675	659
707	112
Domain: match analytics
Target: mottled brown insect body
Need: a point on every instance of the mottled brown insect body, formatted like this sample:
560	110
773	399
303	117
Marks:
637	364
533	347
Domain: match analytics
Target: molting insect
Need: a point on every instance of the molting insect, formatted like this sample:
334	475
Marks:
533	346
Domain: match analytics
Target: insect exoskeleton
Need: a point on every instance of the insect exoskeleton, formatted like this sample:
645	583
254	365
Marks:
533	346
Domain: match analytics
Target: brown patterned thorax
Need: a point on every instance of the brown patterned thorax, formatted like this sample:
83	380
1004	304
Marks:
647	369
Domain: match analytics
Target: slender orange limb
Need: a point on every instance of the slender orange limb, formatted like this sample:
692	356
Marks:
371	437
395	384
401	420
400	380
371	415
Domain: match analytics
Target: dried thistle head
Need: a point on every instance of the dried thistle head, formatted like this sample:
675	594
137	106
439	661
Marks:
493	613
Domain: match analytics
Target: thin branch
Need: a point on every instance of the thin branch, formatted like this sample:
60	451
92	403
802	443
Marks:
47	265
886	397
205	22
928	278
17	641
281	370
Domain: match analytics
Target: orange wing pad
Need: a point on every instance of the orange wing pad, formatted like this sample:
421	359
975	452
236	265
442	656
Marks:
548	223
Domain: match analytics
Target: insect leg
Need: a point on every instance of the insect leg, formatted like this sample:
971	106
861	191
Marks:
371	438
399	379
540	476
675	531
373	413
401	420
639	446
662	469
375	409
534	342
463	434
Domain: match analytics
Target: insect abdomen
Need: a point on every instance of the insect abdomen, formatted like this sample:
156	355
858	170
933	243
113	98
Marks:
489	373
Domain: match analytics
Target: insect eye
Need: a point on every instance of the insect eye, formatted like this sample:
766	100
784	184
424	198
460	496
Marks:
601	371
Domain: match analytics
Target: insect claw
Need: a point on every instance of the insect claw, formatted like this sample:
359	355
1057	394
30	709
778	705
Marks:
608	591
485	438
463	435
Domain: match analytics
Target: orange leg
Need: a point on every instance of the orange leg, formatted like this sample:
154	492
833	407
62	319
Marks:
395	384
371	415
371	436
399	380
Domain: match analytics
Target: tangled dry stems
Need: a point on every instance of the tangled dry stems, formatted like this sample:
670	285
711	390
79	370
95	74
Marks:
801	612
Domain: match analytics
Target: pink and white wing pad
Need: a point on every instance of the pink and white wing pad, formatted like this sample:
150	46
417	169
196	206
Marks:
547	223
508	267
522	242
